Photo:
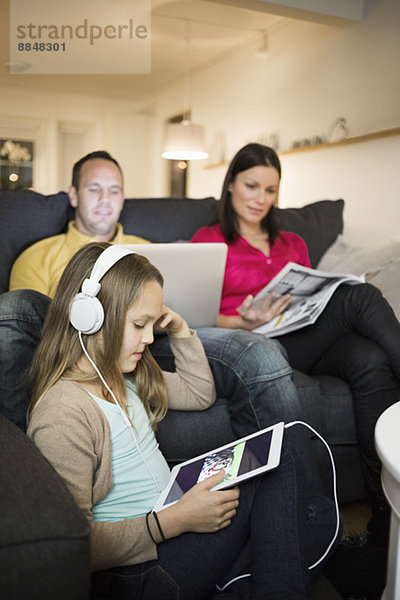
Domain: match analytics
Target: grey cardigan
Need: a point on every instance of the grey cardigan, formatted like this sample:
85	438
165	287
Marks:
73	434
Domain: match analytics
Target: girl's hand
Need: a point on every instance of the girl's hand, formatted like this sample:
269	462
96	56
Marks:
173	324
201	509
263	311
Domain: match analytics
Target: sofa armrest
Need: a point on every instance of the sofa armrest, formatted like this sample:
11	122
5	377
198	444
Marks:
44	537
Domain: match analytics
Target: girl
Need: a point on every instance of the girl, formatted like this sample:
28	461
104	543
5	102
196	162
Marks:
97	399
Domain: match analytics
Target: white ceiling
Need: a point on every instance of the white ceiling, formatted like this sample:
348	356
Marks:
218	28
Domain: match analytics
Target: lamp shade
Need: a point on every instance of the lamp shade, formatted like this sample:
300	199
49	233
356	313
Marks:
184	141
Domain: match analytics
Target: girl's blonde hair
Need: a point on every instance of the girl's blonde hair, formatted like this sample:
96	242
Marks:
60	351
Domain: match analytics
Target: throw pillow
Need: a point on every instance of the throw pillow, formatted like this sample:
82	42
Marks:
318	223
167	219
381	266
343	257
25	218
387	280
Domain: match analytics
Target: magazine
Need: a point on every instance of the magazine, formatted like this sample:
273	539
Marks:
311	291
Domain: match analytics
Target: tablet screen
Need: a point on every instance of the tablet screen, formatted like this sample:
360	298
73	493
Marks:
240	460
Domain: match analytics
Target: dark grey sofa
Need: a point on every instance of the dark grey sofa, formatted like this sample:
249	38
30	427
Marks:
44	538
26	217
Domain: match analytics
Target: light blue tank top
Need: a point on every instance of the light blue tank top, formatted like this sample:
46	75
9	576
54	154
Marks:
134	491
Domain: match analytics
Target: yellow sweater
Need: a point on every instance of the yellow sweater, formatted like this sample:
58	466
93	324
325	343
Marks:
40	266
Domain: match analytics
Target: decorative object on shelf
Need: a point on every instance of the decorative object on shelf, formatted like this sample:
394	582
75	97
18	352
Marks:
16	165
218	148
273	141
263	49
313	141
338	131
320	143
184	140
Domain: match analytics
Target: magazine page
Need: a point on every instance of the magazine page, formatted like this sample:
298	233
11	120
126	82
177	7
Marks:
310	289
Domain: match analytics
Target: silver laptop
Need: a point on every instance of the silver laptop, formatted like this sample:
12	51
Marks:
193	276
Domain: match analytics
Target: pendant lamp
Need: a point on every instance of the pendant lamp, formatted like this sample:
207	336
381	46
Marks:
184	140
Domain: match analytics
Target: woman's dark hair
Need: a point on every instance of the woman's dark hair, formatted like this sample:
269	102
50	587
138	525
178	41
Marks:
251	155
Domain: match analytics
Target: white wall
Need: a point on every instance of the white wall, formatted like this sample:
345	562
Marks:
66	126
366	175
312	75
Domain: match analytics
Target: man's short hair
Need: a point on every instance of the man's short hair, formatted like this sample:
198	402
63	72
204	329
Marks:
76	169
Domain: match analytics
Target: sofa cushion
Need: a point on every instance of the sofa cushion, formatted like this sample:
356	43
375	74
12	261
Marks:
345	257
318	223
387	280
167	219
380	264
25	218
44	537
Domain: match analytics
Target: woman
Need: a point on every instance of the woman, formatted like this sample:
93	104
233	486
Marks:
356	338
97	399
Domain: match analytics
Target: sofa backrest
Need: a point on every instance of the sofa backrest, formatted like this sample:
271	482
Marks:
167	219
27	216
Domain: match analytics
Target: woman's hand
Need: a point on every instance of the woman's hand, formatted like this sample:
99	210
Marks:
201	509
172	323
263	311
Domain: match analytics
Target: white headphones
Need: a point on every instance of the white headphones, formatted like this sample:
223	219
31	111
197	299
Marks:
86	312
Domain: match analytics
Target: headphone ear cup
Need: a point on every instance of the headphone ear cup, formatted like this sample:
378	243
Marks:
86	314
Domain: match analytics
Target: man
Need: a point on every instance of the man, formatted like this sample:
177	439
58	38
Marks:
96	193
250	371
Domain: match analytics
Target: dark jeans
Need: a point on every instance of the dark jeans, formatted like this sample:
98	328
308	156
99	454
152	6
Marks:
357	338
277	533
251	371
21	318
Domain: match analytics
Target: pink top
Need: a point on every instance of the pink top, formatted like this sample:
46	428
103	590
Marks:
248	269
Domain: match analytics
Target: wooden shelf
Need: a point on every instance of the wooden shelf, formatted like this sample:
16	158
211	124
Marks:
367	137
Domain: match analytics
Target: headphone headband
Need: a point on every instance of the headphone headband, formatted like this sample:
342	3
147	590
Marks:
86	313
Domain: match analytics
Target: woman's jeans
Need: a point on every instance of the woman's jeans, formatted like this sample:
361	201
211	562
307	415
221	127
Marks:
277	533
250	371
357	338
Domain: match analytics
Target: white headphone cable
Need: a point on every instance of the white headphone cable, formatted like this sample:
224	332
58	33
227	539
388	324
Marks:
336	503
334	484
121	410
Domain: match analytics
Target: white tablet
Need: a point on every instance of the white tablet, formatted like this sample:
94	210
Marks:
241	459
